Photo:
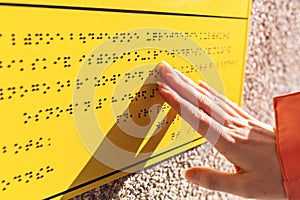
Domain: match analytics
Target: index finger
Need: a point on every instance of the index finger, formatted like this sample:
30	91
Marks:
186	90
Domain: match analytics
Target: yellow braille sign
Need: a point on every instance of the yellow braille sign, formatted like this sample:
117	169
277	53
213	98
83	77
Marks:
79	105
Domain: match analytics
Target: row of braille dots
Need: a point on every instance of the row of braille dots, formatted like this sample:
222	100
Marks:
26	177
208	35
189	51
140	95
48	38
97	82
143	112
141	75
104	58
48	113
177	134
40	88
162	108
188	69
43	63
122	118
44	88
200	51
105	80
124	37
212	50
133	75
144	94
142	55
39	63
58	111
52	38
161	124
226	63
174	135
158	36
17	148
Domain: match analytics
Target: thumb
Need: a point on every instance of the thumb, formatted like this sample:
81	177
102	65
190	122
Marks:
216	180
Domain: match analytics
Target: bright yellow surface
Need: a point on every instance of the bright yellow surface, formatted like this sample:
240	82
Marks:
42	51
229	8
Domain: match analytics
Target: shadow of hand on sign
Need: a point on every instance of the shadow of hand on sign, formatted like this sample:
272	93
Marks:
132	139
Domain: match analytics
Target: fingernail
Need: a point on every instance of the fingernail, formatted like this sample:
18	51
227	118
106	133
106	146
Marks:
201	82
160	64
163	65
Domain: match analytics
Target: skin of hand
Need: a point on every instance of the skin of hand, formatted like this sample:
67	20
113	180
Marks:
243	140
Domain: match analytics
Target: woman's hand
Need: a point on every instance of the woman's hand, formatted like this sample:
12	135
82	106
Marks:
244	141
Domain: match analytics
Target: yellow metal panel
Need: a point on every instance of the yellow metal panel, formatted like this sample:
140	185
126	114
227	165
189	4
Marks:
43	152
229	8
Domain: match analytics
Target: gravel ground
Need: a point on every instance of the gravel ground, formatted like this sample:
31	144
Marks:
273	68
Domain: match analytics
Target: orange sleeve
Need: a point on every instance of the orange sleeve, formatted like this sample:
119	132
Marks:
287	116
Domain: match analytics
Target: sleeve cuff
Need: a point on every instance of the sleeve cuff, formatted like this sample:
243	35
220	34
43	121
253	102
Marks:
287	114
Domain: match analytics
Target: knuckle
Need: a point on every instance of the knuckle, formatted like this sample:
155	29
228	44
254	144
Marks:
230	122
199	114
227	122
204	100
